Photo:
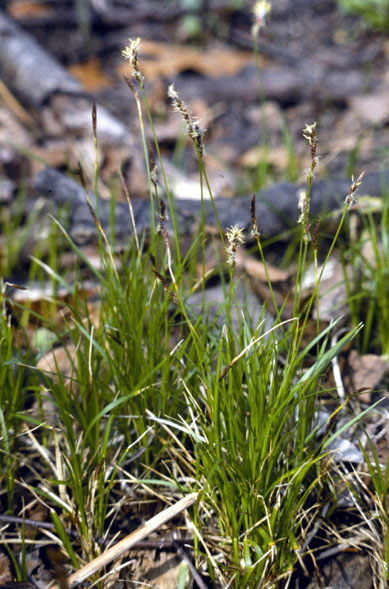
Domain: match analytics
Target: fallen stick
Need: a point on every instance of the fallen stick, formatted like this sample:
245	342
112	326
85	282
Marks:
276	206
33	75
128	542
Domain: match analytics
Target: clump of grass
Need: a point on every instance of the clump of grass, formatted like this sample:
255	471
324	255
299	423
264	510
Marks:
161	402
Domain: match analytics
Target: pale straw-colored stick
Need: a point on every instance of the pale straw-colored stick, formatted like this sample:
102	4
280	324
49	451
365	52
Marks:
129	541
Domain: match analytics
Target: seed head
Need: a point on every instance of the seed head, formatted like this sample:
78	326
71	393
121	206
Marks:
260	10
194	130
154	175
301	205
179	105
350	198
254	232
131	54
316	234
153	166
309	133
235	238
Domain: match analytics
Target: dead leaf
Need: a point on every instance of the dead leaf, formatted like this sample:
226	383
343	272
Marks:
91	76
25	9
37	512
162	570
5	573
38	296
277	157
59	360
255	269
366	371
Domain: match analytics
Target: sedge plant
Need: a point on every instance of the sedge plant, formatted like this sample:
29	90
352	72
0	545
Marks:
255	451
161	401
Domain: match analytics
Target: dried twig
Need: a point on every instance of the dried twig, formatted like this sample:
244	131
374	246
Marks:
129	541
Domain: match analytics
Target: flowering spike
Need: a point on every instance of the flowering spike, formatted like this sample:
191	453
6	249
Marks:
309	133
194	129
131	54
260	10
235	238
350	198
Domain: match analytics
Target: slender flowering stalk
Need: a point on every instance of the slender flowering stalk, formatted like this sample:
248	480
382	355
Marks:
196	133
235	238
348	201
309	133
257	236
130	53
350	198
260	11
